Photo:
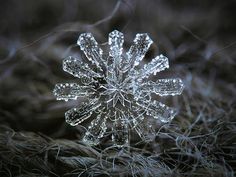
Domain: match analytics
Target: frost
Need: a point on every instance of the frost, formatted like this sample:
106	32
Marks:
117	89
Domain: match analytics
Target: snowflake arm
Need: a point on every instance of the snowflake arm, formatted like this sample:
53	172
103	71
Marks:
76	116
90	48
157	64
96	129
164	87
115	42
79	69
138	49
157	110
145	130
66	91
120	134
137	123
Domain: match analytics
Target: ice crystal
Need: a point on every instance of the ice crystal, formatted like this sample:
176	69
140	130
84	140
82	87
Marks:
117	89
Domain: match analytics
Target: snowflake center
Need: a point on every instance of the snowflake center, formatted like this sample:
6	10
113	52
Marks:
116	92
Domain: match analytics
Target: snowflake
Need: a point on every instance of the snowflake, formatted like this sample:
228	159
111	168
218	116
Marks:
117	89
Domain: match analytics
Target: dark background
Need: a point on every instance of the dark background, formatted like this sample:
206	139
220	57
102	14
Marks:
197	36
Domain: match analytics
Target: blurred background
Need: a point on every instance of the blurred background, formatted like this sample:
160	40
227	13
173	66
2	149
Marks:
199	39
